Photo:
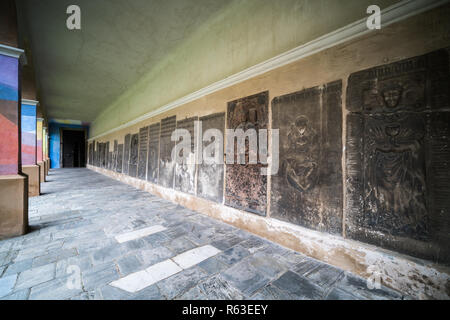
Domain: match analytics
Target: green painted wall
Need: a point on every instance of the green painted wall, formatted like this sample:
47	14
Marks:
242	35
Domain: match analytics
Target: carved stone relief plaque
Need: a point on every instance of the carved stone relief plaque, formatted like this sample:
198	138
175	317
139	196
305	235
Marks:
104	155
185	170
308	187
153	153
119	158
210	176
91	153
114	156
398	155
134	153
143	146
166	165
97	155
246	188
126	154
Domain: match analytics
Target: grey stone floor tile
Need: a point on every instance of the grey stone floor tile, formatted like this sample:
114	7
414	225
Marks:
193	294
267	264
151	256
181	282
225	242
245	277
108	253
218	288
7	285
35	276
339	294
99	276
271	292
112	293
150	293
299	287
212	265
54	256
18	267
56	289
325	275
129	264
18	295
233	255
179	245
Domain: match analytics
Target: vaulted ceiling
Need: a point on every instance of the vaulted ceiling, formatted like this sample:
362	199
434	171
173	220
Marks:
80	72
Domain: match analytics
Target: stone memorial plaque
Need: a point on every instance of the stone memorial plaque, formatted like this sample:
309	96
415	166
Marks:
143	150
104	155
398	156
166	165
153	153
91	153
119	162
246	188
97	154
126	154
109	154
210	176
134	154
185	170
308	187
114	156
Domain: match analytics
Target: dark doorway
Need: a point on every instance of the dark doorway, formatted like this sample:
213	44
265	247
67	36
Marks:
74	150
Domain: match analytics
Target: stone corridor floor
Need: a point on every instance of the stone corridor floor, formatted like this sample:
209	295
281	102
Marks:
95	238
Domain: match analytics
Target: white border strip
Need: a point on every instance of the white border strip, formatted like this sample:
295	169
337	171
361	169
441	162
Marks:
30	102
11	51
395	13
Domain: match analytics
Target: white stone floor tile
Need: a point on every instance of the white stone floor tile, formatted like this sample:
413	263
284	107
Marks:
195	256
142	279
139	233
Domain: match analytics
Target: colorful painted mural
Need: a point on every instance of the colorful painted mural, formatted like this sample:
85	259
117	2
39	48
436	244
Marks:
28	133
9	115
45	144
39	123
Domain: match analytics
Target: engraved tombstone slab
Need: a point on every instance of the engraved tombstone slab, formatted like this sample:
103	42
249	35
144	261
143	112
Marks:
308	187
134	153
104	155
166	164
185	170
107	156
126	153
114	157
210	176
153	153
398	155
97	155
119	158
246	188
143	146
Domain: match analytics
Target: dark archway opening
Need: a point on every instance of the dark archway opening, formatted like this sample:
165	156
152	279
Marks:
74	148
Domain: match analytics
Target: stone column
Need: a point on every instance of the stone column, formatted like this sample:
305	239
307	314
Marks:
45	151
29	150
13	184
40	158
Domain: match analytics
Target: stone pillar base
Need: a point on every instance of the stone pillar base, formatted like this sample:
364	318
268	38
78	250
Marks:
42	165
34	179
13	205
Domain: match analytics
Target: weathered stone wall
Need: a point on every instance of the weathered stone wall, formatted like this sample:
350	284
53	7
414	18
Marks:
364	155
